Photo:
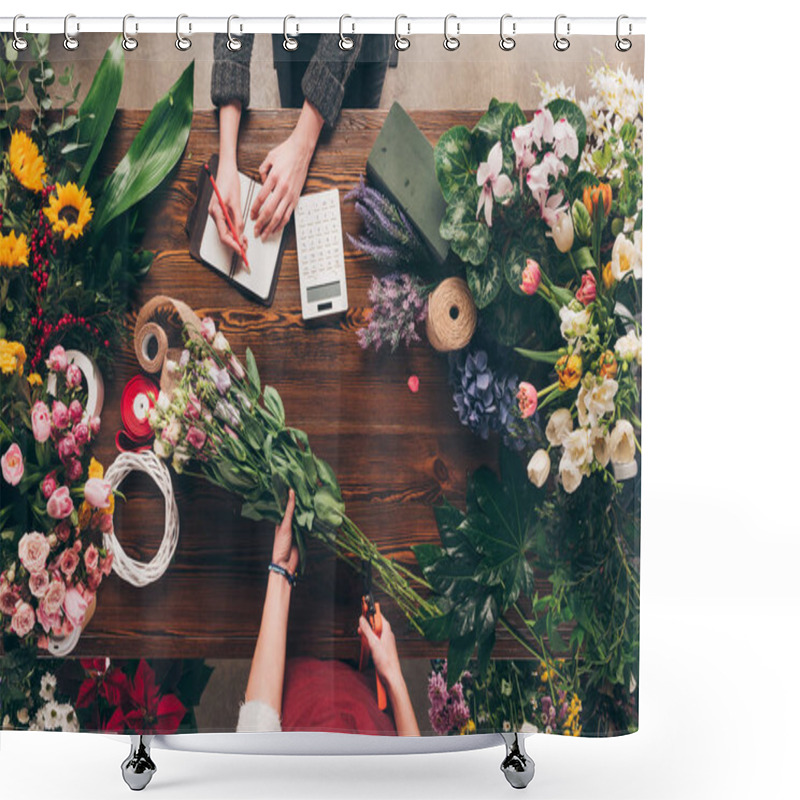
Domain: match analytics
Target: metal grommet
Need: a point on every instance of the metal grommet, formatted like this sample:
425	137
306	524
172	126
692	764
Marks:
181	41
290	44
128	42
623	45
451	43
507	42
345	42
19	42
401	42
561	43
234	42
70	42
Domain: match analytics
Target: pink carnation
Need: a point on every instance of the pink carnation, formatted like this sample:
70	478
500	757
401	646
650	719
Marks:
60	506
40	421
33	551
23	620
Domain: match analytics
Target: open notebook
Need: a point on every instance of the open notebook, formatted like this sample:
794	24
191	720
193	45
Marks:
205	245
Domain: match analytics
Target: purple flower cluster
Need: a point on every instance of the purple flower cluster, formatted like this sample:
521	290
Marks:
398	308
389	238
449	711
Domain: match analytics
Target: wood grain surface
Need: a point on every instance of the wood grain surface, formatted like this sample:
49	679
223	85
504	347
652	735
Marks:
396	454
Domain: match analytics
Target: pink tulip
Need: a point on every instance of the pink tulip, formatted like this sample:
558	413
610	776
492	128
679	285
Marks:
60	506
588	290
97	493
81	433
49	485
75	411
60	415
74	376
531	277
75	605
13	465
40	422
74	470
528	399
94	425
67	448
57	361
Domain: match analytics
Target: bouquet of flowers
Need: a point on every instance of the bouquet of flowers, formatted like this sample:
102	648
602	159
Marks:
55	504
221	422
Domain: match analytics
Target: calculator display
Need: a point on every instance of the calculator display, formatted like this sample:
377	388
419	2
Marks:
323	291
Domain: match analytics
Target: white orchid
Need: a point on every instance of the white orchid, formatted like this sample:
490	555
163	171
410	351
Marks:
565	140
625	260
494	185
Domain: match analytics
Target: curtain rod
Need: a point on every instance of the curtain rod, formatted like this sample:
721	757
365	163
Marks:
294	25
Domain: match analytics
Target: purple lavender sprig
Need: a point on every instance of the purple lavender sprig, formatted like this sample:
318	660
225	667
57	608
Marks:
389	237
399	307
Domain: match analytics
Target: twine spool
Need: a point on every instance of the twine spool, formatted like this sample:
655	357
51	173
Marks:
452	316
151	335
135	572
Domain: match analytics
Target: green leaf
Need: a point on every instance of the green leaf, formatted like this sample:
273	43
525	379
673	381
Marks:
14	94
328	507
513	259
508	319
252	371
485	283
496	126
154	152
436	629
459	653
468	235
274	404
565	109
97	110
455	162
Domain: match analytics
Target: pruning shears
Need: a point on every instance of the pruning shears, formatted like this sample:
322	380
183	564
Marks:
372	612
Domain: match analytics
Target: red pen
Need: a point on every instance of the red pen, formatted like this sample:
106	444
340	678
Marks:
228	220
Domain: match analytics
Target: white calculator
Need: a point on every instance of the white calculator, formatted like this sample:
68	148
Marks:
320	254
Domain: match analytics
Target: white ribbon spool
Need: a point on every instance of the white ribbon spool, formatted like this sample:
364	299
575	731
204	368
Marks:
94	382
138	573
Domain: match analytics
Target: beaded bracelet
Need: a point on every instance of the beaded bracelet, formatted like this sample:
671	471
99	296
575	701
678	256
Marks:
292	578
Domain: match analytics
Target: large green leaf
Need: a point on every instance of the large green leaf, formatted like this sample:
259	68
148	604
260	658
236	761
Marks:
513	258
153	153
456	162
485	283
97	110
496	125
510	317
468	235
565	109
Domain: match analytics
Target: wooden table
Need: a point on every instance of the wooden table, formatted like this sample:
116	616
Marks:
396	454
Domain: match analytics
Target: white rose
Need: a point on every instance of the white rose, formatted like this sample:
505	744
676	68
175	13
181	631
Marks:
625	260
563	232
629	347
559	426
599	399
571	477
578	449
622	442
539	468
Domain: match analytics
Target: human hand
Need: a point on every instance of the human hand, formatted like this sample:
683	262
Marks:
383	649
284	551
227	180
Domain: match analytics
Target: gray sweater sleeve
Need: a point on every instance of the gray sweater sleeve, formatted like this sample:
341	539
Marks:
325	78
230	75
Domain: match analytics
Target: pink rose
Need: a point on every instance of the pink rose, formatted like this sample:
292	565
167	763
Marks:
75	605
208	329
13	465
38	583
195	437
57	361
531	277
74	376
94	425
68	563
67	447
588	290
75	411
106	523
106	564
53	598
91	557
9	596
49	485
62	627
528	399
33	551
74	470
97	492
60	415
93	579
40	421
59	506
23	620
63	531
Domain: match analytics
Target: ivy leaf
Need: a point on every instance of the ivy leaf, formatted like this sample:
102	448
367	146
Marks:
468	236
455	162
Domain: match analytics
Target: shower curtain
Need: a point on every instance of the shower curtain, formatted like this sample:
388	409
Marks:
320	381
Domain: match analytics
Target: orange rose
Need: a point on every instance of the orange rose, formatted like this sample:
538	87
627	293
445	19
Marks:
592	195
569	370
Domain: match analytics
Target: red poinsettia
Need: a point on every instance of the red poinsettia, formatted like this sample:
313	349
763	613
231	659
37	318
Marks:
101	681
151	712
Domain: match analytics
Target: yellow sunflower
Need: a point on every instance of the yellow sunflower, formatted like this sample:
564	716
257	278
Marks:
14	250
12	357
70	210
27	164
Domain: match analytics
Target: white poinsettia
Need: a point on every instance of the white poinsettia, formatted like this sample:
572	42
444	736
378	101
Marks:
622	442
625	260
494	185
559	426
629	347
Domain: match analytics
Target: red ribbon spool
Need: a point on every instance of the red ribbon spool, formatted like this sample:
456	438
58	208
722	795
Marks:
138	397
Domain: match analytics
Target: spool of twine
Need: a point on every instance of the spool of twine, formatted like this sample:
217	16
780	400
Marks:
452	316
